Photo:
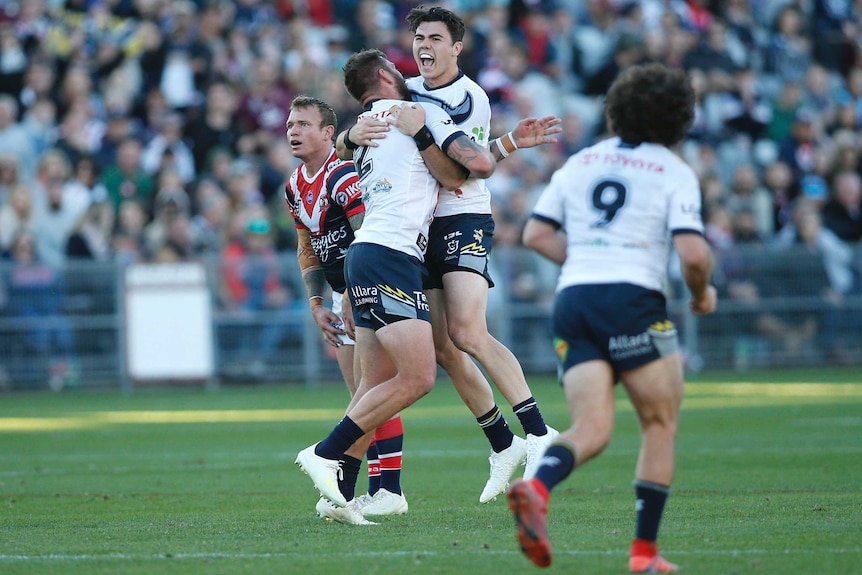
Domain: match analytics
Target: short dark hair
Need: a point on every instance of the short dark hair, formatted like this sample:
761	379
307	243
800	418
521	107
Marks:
453	22
361	72
650	103
326	111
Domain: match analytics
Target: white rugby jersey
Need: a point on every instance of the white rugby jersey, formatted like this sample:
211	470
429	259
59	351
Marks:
468	106
618	206
398	191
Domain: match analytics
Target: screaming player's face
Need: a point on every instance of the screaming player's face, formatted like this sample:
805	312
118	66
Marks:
435	53
307	137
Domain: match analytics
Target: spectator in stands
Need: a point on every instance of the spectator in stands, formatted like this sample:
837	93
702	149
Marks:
788	55
9	176
254	290
90	239
629	49
217	126
713	53
84	188
35	295
243	184
166	150
778	180
16	215
747	193
90	280
15	140
263	108
119	125
126	178
208	225
128	238
819	94
745	228
178	243
54	224
851	92
171	202
798	150
835	32
843	213
785	106
823	265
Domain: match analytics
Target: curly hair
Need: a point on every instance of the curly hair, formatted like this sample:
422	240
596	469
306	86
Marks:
453	22
650	103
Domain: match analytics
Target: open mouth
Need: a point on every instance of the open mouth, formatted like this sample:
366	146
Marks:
426	60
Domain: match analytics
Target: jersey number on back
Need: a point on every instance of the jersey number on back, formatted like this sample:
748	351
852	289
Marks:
608	198
363	164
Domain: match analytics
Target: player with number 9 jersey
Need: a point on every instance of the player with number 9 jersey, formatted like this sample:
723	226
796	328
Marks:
618	202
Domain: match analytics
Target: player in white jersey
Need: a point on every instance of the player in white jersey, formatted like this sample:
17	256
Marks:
461	238
325	200
618	204
384	268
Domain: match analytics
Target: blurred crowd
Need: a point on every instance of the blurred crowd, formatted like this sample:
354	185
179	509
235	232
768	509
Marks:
154	130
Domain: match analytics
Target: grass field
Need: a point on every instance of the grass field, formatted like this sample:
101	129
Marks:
187	481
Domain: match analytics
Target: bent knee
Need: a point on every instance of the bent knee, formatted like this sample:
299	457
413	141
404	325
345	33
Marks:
467	338
424	382
665	424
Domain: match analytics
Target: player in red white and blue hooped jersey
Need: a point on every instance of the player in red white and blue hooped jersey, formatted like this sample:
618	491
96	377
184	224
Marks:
323	203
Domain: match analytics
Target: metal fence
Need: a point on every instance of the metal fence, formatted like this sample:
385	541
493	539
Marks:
777	309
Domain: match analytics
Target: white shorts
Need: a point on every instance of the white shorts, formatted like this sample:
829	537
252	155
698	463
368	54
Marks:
337	300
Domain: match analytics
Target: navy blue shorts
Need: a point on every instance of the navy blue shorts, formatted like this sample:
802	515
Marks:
623	324
459	243
385	286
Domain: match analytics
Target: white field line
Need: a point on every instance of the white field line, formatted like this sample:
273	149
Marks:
9	558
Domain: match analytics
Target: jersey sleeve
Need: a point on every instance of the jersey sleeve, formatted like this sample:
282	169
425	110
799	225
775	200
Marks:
684	211
550	207
343	188
290	199
441	125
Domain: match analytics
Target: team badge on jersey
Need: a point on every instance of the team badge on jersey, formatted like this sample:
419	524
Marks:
561	346
383	185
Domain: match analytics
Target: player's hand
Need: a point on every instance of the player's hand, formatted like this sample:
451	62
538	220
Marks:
408	118
347	317
328	322
531	132
367	130
706	303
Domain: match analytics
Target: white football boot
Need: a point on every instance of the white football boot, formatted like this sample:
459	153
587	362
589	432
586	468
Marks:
385	502
324	473
503	465
350	515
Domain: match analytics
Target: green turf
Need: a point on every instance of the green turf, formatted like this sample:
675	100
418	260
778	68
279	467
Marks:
189	481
